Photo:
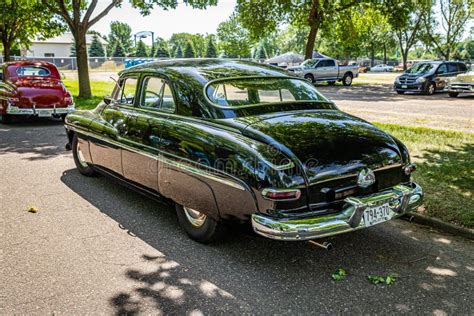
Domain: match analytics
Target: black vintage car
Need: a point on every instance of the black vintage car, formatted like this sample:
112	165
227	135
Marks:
233	140
428	77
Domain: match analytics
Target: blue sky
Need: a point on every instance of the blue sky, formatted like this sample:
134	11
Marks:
165	23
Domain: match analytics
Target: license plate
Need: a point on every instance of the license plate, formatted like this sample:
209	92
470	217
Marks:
404	86
44	113
376	215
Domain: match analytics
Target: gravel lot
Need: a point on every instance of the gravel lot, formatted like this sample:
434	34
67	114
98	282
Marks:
96	247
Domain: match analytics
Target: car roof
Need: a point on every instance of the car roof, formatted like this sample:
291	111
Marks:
28	63
206	69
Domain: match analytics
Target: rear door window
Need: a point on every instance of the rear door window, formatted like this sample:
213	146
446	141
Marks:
462	67
452	68
330	63
157	94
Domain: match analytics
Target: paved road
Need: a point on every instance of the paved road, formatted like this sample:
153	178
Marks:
379	103
97	247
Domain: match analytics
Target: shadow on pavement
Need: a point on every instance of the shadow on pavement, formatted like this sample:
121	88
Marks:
38	138
248	274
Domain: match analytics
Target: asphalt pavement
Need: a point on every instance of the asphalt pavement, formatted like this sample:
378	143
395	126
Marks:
96	247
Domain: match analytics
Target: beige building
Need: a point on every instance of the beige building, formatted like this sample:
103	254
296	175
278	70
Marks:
59	46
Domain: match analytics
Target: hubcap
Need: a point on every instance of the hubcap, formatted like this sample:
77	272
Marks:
80	157
196	218
431	89
348	79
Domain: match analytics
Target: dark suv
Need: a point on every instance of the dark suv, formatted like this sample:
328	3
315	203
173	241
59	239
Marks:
428	77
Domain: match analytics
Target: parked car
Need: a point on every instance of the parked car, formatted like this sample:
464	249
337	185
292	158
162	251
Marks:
462	83
325	69
363	69
234	140
381	68
32	88
428	77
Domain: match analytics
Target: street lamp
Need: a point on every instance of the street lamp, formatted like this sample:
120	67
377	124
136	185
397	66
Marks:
145	34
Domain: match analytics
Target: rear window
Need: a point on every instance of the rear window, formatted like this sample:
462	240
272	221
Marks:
258	91
33	71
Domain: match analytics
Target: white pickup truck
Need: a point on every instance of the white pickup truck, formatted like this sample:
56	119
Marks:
325	69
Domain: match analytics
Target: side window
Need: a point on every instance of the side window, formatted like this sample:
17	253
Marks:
156	94
452	67
128	90
462	67
442	69
330	63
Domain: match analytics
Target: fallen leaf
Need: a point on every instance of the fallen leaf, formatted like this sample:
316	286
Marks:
33	209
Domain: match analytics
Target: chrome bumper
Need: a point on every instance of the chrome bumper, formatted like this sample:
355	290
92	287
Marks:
14	110
401	199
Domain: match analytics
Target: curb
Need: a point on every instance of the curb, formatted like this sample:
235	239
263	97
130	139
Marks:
440	225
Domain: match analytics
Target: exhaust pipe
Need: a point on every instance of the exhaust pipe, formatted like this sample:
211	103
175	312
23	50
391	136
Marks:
325	245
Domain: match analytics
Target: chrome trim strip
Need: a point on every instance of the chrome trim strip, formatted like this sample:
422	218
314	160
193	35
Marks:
265	191
211	174
400	198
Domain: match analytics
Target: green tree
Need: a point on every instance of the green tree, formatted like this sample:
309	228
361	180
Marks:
96	49
262	18
141	49
120	32
198	41
118	51
261	52
234	40
445	30
22	21
79	16
162	50
211	51
189	50
292	39
178	53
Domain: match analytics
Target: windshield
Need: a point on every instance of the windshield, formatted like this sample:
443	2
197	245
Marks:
257	91
421	68
309	63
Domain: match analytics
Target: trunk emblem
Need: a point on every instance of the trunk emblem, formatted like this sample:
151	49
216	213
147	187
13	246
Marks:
365	178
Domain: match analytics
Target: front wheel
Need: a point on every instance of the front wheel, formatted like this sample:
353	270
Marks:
430	88
309	77
453	94
81	164
199	226
347	80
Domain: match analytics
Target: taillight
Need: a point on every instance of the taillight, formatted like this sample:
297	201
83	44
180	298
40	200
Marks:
409	169
13	100
284	194
69	100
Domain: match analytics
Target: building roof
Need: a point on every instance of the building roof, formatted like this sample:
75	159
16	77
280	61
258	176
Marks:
68	38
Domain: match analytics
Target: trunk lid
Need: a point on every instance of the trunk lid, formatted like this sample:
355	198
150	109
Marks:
41	93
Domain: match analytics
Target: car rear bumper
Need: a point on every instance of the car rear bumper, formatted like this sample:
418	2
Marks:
14	110
400	198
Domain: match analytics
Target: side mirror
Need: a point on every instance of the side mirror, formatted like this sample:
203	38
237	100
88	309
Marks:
108	99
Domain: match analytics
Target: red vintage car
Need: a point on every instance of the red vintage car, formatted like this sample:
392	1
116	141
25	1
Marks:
32	88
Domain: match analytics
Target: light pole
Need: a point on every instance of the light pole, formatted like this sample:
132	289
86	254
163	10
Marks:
145	34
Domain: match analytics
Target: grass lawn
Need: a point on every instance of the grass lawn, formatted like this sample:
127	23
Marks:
444	158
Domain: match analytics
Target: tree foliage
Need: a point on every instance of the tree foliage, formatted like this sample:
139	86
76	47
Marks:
178	53
211	51
141	50
96	49
189	50
120	32
234	40
119	50
22	21
446	29
162	50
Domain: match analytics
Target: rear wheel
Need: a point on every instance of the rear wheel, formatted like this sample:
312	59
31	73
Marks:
198	226
309	77
81	164
453	94
347	79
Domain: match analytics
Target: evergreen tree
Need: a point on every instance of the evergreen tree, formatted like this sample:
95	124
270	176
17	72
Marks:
141	50
261	52
118	51
211	49
179	52
162	51
189	50
96	49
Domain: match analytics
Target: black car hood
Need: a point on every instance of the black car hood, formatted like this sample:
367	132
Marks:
328	143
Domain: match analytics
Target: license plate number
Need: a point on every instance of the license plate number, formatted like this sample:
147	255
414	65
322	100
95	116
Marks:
376	215
44	113
404	86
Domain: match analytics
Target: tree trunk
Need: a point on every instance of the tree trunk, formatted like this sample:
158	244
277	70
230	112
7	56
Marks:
384	53
310	42
405	59
82	65
372	56
6	48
